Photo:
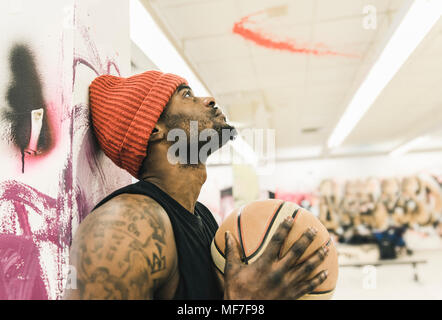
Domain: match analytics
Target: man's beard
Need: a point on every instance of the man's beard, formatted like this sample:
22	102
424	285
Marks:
209	137
226	133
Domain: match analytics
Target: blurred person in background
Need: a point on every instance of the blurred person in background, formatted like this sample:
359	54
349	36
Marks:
412	203
391	224
349	206
390	194
354	229
329	205
435	193
368	202
363	219
433	197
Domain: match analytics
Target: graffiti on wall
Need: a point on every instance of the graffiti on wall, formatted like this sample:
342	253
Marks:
27	115
36	228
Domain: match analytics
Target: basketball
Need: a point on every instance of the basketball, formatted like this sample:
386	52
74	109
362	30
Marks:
254	224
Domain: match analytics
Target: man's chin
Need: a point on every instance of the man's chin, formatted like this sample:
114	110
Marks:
226	132
234	133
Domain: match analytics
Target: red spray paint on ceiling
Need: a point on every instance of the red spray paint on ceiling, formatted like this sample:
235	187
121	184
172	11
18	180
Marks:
270	41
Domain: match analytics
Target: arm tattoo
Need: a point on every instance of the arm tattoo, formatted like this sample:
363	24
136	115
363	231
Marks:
120	255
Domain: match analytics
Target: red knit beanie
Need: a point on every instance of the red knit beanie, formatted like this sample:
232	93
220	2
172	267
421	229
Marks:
124	112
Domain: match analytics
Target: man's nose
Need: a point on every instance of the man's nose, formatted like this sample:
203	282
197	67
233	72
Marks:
209	102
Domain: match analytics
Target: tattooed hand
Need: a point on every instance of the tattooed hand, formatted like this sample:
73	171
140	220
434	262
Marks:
123	250
272	277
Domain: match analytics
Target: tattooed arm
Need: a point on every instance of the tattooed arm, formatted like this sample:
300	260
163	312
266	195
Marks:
125	249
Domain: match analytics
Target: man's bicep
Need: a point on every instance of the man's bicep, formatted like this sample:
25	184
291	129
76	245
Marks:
111	264
119	256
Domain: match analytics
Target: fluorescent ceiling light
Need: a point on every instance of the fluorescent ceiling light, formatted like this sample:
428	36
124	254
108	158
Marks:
147	35
404	148
417	22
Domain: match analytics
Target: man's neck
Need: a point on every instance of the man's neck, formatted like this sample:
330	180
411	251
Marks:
182	183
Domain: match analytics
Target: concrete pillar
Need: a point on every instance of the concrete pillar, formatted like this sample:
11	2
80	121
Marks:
245	184
52	173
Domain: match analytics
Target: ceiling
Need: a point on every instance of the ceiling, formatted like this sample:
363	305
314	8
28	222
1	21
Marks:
293	66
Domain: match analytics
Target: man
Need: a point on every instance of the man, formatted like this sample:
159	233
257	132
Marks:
151	239
412	203
329	205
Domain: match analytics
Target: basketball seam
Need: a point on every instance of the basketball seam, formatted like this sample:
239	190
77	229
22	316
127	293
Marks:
244	257
215	259
219	250
295	213
314	296
317	293
267	232
216	266
267	227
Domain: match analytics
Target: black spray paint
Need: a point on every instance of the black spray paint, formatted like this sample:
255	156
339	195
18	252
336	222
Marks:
24	95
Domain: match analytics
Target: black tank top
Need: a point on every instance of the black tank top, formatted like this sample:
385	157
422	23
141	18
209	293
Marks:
193	235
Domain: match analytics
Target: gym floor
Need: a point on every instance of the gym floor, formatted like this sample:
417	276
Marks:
393	281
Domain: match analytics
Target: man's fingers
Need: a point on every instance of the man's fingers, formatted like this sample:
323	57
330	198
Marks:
273	248
233	255
298	248
304	270
310	285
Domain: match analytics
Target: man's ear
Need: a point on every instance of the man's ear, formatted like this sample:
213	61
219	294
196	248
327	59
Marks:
158	133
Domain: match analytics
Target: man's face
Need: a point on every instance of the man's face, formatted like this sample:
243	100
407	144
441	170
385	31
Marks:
184	108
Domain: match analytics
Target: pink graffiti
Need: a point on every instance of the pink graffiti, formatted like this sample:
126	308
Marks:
290	45
21	275
92	60
20	269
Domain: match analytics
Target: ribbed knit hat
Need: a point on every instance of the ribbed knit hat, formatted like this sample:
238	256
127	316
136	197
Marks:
124	112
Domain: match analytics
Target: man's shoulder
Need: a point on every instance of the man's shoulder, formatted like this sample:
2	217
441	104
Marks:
136	214
132	206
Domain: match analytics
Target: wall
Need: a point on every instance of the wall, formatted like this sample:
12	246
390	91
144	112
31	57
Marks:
306	175
52	172
218	178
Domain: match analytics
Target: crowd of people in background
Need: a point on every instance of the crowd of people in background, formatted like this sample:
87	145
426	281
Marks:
373	210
